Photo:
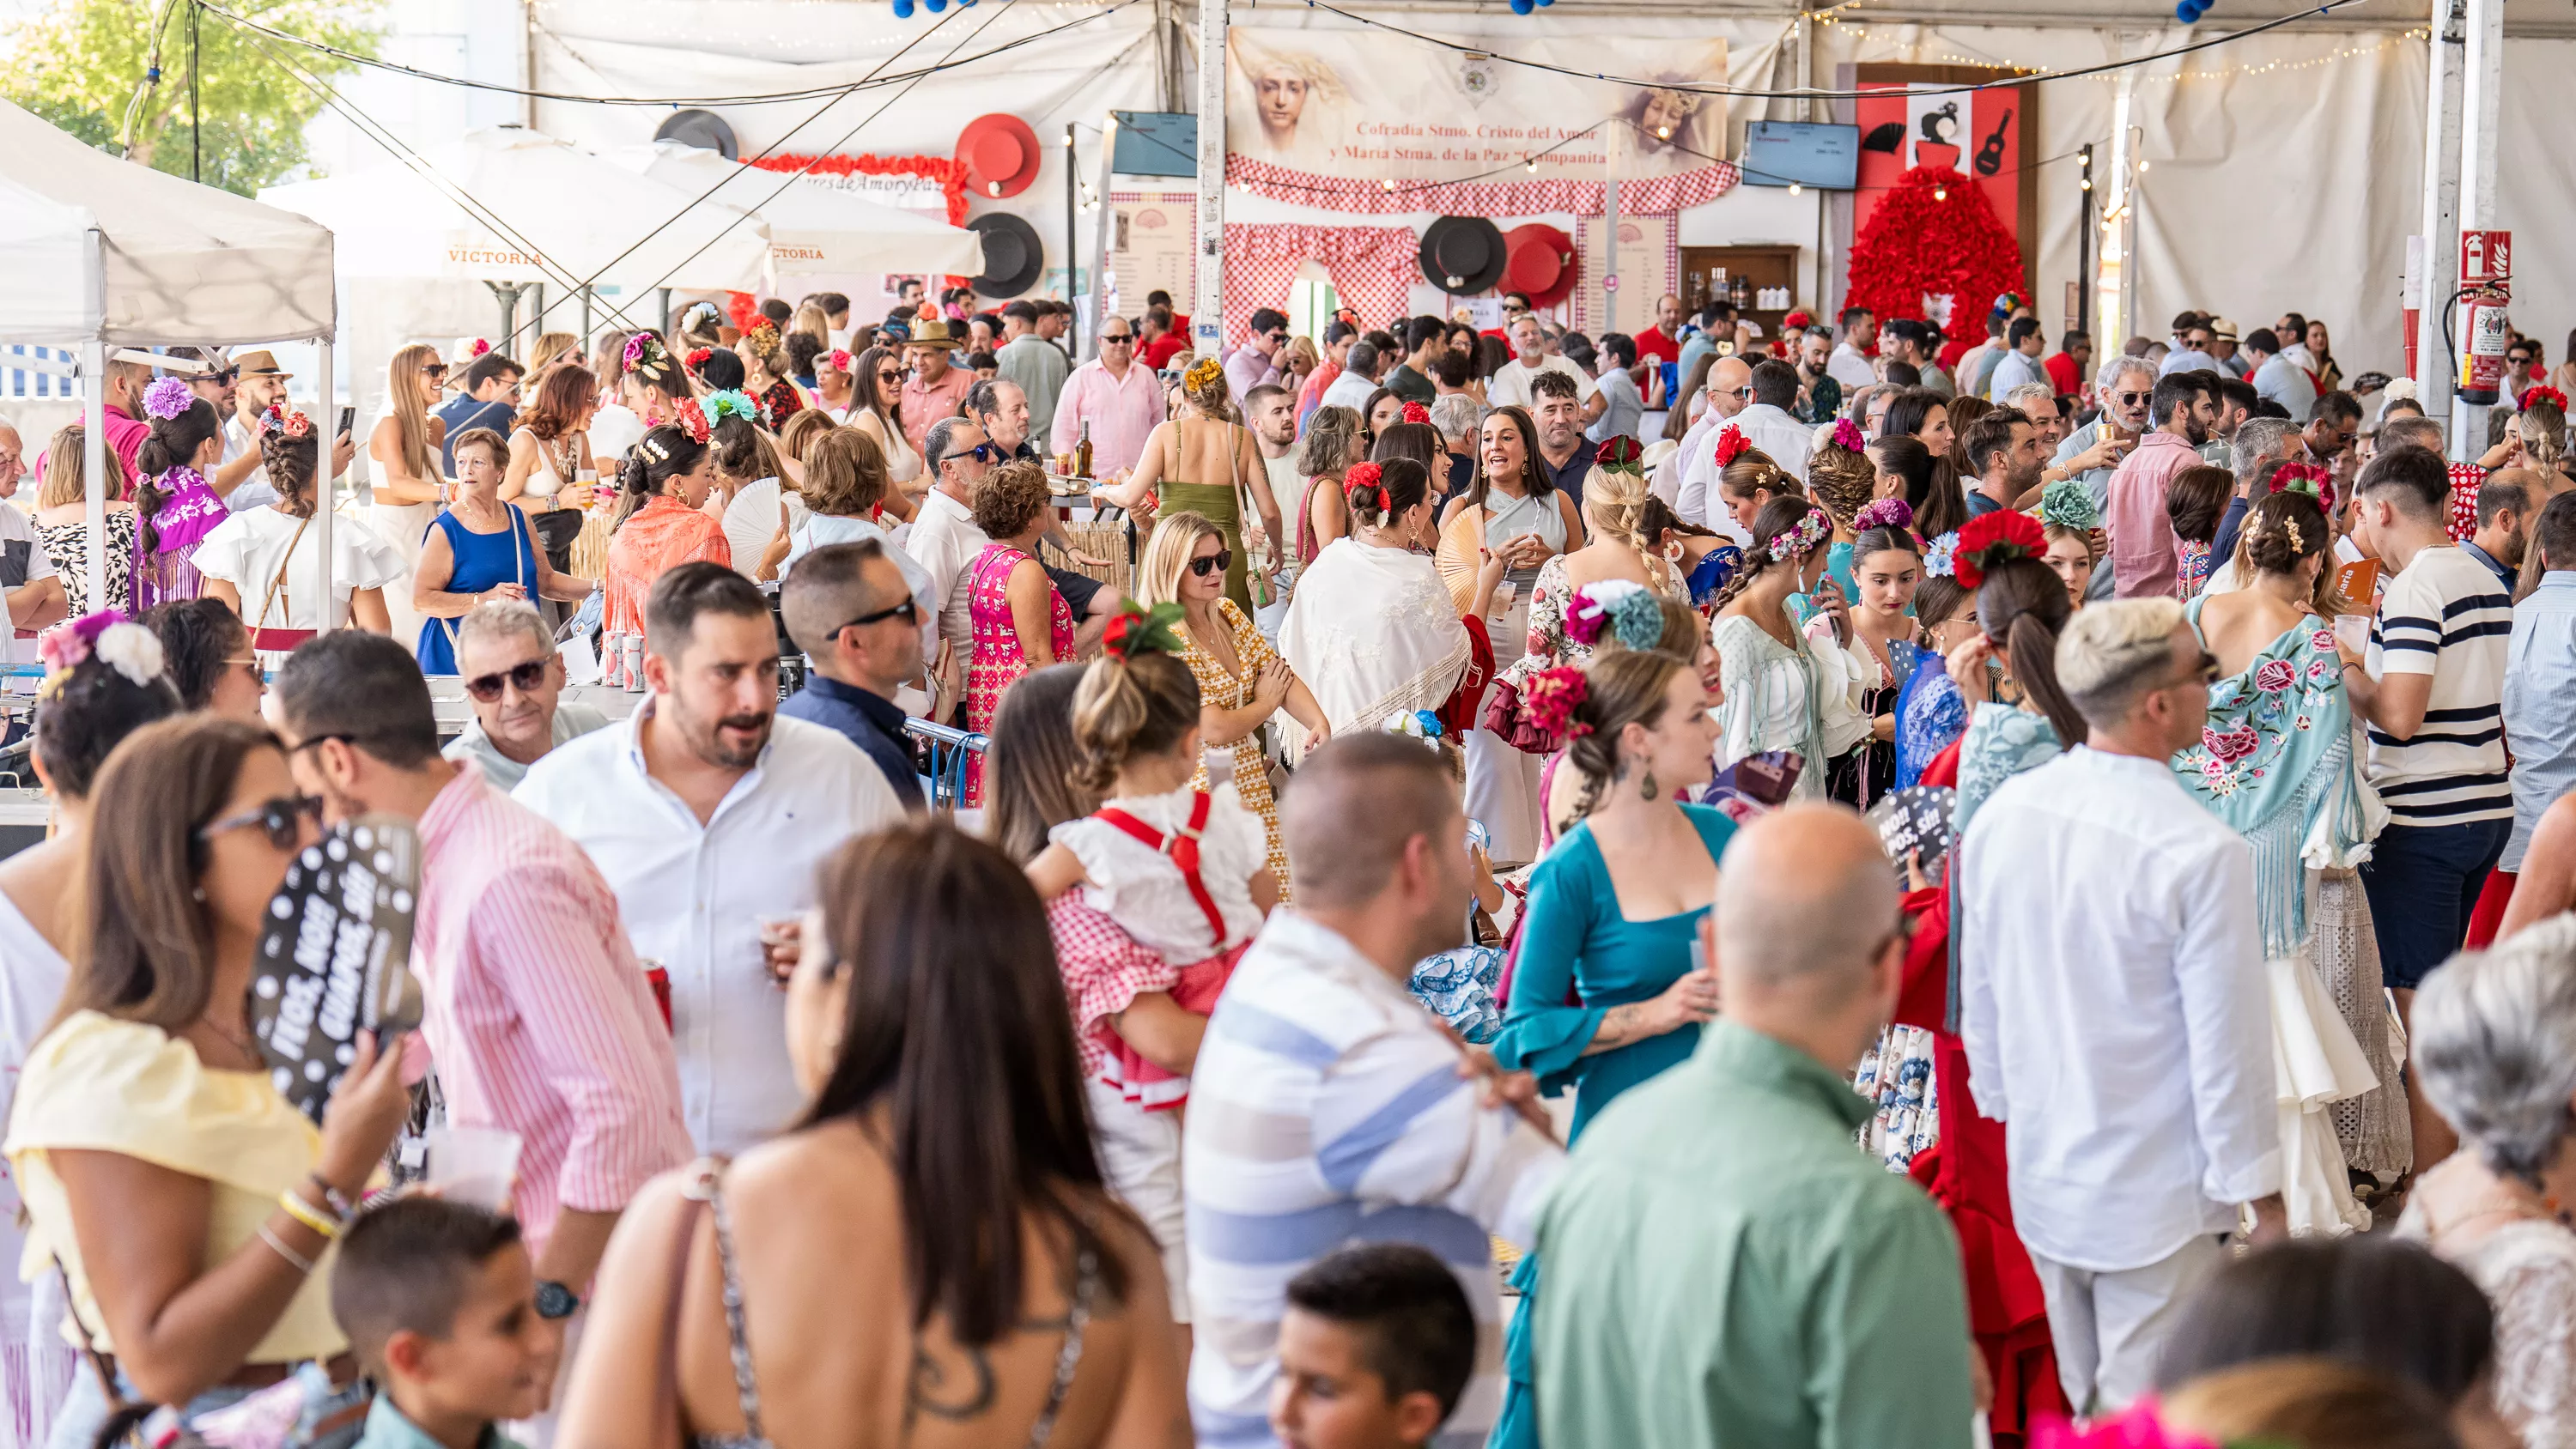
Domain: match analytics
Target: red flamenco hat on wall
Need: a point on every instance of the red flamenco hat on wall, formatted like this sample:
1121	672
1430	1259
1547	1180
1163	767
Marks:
1001	155
1541	264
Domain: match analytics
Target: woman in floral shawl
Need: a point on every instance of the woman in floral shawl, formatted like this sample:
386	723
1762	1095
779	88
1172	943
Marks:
2276	763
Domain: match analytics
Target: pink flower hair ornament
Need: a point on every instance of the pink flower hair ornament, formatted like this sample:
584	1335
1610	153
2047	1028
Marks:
1847	435
107	636
1883	513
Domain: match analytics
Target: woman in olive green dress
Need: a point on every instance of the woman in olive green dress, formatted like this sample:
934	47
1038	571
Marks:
1204	461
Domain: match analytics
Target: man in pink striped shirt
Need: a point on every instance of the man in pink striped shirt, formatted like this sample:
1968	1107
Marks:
1118	396
540	1021
2181	414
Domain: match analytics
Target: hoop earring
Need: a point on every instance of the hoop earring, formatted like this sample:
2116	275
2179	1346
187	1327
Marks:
1646	787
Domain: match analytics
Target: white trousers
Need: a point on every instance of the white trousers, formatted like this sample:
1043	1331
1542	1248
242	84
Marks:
2110	1327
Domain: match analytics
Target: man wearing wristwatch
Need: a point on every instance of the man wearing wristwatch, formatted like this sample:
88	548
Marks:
539	1018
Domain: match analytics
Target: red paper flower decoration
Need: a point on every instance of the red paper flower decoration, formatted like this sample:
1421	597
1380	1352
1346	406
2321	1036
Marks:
1993	539
1918	242
1731	444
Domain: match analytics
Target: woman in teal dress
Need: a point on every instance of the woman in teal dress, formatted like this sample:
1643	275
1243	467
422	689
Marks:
1603	995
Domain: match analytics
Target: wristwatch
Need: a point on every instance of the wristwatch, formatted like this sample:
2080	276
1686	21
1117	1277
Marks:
555	1301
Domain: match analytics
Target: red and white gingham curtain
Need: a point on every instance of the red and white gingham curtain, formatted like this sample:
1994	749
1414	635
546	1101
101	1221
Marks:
1373	267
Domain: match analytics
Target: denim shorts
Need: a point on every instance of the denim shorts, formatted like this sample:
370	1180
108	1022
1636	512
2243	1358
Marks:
2423	882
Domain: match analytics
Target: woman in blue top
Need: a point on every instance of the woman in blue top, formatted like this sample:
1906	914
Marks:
1604	995
479	548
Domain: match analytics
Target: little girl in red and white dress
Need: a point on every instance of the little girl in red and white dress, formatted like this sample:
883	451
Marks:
1184	873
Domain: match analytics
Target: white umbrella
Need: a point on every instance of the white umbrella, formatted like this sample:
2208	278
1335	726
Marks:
815	227
552	204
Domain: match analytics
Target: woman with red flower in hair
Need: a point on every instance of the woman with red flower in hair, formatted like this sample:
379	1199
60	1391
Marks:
1784	687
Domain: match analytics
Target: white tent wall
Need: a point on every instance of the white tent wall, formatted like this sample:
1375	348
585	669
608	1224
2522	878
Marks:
693	47
2283	167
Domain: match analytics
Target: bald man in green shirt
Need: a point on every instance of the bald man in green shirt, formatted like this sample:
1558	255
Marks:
1724	1268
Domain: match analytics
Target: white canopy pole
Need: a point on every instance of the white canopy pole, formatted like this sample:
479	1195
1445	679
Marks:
94	419
326	428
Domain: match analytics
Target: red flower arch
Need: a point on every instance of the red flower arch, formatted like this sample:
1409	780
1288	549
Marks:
1917	243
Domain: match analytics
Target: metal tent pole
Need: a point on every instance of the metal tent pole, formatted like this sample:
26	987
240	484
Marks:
325	497
2448	61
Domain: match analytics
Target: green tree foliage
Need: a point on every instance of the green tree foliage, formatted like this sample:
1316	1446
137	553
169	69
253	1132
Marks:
79	63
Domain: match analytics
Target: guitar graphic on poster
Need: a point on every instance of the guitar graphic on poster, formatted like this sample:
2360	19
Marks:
1990	156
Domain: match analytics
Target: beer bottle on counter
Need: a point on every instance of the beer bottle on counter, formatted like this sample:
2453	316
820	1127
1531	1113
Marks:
1082	452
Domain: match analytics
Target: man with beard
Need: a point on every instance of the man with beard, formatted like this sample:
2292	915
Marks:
2124	387
2184	409
2007	455
1272	415
708	814
1564	454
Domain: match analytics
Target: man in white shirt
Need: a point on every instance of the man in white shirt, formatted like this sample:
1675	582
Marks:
1510	385
944	536
2021	365
1694	464
1270	411
1361	367
1767	422
1850	364
708	814
2114	1009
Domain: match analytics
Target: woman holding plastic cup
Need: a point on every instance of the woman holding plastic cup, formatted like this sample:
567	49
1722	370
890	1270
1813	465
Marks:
191	1206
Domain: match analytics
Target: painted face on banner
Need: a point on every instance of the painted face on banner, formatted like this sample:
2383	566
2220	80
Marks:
1283	100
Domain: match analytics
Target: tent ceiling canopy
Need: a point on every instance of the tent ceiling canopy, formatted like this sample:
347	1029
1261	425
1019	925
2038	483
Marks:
542	212
99	247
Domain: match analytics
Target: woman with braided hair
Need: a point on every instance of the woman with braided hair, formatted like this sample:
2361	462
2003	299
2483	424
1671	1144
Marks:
1614	504
1204	461
1843	481
1785	688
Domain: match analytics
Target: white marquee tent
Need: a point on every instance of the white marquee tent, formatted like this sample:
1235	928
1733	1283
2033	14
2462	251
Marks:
815	228
106	254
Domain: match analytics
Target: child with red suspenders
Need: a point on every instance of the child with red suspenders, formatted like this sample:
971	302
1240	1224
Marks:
1185	874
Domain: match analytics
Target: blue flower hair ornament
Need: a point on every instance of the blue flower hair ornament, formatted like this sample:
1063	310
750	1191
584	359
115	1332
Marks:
732	402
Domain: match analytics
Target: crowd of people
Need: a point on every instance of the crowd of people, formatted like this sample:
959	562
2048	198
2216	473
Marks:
1685	886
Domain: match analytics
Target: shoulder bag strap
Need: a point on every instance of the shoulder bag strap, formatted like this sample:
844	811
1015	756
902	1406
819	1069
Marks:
279	582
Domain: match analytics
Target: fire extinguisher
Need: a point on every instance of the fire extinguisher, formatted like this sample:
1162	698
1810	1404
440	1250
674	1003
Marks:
2485	332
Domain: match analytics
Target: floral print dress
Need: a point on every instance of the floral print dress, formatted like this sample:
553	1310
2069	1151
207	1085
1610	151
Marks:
1252	654
998	661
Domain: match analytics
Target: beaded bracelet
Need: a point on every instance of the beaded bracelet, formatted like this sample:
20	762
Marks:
310	1216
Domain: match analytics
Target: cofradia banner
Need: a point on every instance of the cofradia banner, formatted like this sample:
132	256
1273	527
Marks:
1362	105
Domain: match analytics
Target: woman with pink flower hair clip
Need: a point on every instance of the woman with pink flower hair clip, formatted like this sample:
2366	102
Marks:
2279	761
1786	687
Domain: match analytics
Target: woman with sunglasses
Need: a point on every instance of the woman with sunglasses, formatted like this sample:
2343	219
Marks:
1242	680
206	655
876	400
406	446
192	1208
85	708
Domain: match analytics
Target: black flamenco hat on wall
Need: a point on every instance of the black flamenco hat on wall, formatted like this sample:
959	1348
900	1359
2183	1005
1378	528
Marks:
1463	255
1013	256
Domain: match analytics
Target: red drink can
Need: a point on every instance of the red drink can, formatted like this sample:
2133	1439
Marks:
659	978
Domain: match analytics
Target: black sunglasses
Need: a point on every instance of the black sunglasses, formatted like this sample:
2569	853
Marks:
522	677
1216	562
1121	338
282	818
906	610
2133	397
984	452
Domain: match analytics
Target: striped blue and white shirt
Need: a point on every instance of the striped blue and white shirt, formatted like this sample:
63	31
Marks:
1326	1108
2447	616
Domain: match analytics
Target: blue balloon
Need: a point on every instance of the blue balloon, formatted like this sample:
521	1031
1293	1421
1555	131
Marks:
903	9
1523	7
936	5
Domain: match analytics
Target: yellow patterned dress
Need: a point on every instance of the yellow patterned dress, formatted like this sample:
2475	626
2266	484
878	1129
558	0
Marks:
1233	691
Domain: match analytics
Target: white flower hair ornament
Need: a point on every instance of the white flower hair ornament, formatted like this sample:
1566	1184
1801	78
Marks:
107	636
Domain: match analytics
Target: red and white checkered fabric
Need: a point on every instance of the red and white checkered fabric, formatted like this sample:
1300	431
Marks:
1477	198
1373	267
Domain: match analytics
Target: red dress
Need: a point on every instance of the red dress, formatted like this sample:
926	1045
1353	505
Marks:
1964	1172
997	662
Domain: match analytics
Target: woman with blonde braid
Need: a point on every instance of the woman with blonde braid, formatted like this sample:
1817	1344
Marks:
1614	503
1784	688
1205	462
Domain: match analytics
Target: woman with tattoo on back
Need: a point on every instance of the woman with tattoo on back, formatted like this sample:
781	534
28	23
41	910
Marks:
929	1257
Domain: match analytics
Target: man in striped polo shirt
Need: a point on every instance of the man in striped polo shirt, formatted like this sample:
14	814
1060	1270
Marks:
2432	690
1327	1107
